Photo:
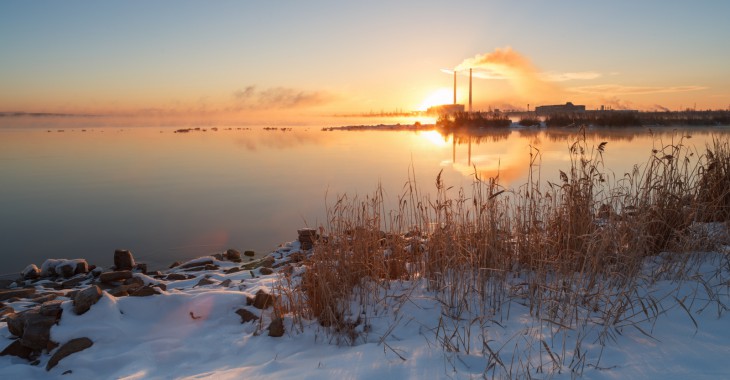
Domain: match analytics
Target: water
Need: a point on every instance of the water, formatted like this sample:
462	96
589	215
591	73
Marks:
172	196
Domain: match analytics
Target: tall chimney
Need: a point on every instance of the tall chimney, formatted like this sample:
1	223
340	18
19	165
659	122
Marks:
454	86
469	90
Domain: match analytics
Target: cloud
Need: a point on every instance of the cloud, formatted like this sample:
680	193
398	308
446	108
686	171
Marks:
617	89
279	98
507	64
563	77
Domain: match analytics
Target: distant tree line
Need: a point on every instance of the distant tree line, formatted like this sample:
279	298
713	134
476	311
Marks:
628	119
474	120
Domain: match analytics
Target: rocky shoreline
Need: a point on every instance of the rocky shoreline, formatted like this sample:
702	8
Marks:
31	305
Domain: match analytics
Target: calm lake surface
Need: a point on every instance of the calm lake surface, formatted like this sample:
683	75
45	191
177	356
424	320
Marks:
174	196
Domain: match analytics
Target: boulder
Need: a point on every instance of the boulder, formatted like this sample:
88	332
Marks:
71	347
16	293
176	277
204	281
249	253
175	264
37	330
45	298
17	349
144	292
263	300
16	323
85	298
246	316
142	267
70	284
266	271
232	270
6	310
197	263
233	255
276	328
31	272
66	270
115	276
52	309
226	283
268	262
81	266
134	281
123	259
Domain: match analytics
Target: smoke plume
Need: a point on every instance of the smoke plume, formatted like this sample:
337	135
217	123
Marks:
279	98
506	63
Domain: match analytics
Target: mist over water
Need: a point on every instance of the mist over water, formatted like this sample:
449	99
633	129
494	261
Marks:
83	192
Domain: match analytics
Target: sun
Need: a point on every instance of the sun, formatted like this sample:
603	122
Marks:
441	96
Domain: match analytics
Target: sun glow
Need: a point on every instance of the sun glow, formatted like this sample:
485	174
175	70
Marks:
441	96
434	138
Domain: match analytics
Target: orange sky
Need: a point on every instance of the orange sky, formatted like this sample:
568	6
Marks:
290	61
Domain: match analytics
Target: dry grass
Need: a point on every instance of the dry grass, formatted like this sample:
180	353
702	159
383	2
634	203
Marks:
572	251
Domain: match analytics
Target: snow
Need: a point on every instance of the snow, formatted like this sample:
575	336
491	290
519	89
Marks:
193	332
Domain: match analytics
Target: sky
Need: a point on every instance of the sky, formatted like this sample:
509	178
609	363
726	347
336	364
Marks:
235	60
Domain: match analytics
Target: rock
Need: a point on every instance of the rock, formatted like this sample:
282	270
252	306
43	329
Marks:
262	300
71	347
120	291
175	264
219	256
276	328
232	270
16	323
123	259
5	283
144	292
211	267
17	293
17	349
226	283
233	255
204	281
81	266
297	257
307	237
246	316
142	267
52	309
5	310
70	284
176	277
197	263
37	330
266	271
249	253
268	262
45	298
134	281
66	270
84	299
31	272
160	286
115	276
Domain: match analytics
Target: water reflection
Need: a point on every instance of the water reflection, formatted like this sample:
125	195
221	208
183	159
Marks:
169	196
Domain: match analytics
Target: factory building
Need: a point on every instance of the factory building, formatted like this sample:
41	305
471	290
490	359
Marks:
561	108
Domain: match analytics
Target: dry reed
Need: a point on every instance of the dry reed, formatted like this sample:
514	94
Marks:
572	251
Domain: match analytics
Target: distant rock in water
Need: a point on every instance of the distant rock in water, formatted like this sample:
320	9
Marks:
123	259
233	255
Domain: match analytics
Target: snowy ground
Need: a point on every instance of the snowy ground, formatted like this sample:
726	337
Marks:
193	332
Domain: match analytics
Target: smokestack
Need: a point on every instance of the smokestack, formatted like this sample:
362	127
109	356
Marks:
454	86
469	90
